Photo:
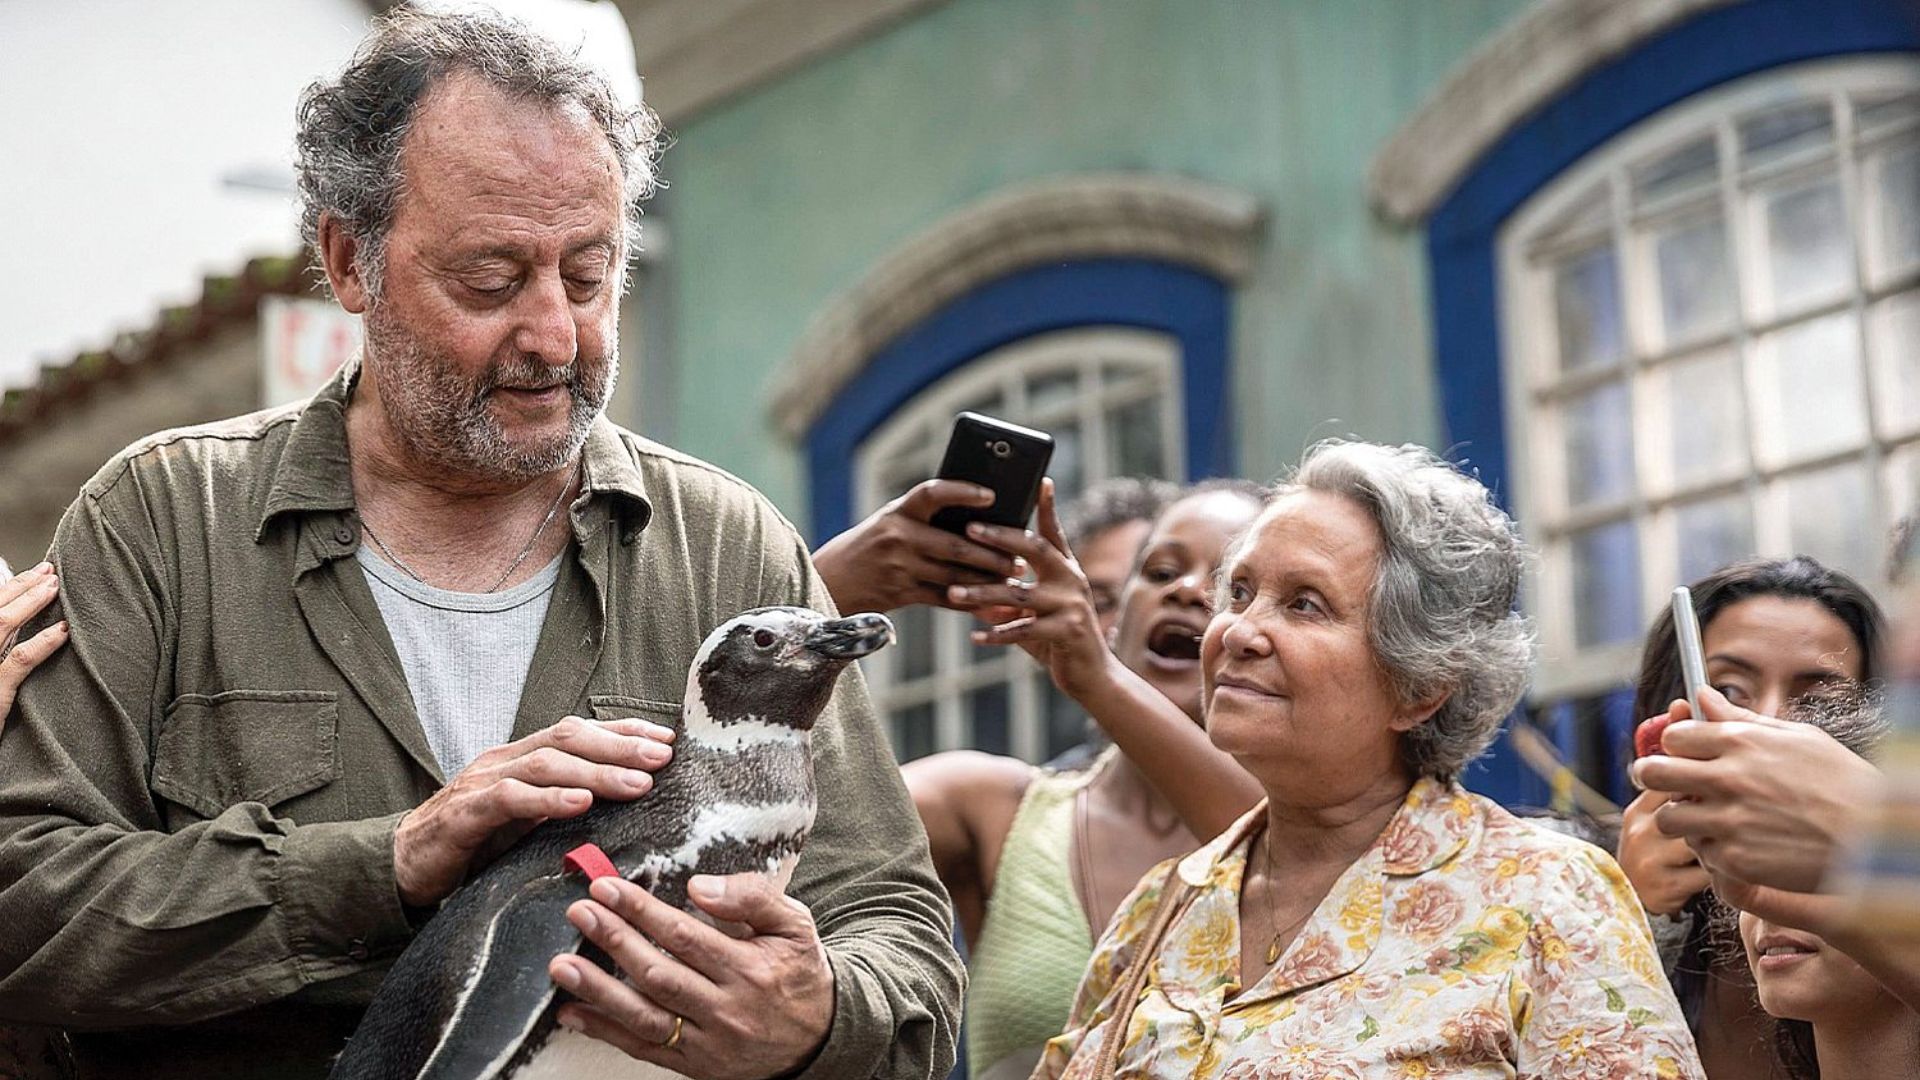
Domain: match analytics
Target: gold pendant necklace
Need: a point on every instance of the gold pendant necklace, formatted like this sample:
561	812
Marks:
1273	946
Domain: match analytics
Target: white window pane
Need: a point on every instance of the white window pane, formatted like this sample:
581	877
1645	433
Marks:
1599	448
1893	335
1782	132
1696	290
989	711
1068	467
1586	300
1879	111
1828	517
1053	391
1807	389
1133	439
1902	482
1706	422
1692	167
1606	584
959	626
1066	722
913	656
1711	533
1894	176
1589	217
990	402
1809	257
913	732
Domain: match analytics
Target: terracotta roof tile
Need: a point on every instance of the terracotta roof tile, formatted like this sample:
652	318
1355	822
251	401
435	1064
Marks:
225	302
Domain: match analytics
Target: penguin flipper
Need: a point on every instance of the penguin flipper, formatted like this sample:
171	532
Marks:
508	994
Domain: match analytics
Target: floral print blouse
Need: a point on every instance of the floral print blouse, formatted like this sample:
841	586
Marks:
1464	943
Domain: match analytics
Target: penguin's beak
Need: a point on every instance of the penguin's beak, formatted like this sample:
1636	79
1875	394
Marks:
852	637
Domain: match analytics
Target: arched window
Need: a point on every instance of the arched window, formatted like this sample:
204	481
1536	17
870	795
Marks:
1111	398
1712	349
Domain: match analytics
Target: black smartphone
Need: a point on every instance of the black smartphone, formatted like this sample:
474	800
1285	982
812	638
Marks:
1007	458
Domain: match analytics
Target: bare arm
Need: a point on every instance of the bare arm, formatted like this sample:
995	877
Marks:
967	800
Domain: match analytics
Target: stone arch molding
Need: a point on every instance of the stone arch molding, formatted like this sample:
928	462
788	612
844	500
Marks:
1508	78
1169	218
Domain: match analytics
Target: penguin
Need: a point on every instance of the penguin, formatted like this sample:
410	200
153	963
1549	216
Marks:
470	998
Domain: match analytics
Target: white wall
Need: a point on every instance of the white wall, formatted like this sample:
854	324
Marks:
120	119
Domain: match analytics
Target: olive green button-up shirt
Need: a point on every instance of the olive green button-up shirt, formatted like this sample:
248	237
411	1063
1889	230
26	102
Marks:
198	794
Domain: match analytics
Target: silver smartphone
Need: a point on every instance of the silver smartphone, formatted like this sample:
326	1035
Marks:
1693	661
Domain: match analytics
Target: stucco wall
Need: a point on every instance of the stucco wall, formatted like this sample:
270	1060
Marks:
789	194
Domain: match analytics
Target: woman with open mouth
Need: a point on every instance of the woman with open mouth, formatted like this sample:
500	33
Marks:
1053	853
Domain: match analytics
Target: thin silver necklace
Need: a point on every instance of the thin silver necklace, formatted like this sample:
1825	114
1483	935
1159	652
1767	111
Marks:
511	567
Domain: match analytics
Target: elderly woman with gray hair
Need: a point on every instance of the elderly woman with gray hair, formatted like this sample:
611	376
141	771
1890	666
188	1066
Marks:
1369	917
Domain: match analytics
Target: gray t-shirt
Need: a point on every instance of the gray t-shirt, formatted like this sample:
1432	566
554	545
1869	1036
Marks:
465	654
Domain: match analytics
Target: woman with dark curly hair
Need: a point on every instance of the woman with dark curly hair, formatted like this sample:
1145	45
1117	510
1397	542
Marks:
1773	631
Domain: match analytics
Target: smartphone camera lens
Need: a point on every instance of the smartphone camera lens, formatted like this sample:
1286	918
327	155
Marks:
1001	448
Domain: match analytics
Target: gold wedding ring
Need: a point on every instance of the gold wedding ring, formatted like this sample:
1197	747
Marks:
673	1040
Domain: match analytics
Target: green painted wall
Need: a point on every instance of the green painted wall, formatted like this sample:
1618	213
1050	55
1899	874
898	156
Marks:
787	195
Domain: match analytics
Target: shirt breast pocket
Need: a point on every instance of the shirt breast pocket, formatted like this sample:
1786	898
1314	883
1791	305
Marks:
620	707
266	746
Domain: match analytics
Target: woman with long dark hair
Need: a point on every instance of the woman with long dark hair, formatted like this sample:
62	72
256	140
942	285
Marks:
1773	630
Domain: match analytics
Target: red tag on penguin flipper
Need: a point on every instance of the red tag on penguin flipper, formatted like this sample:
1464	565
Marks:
589	862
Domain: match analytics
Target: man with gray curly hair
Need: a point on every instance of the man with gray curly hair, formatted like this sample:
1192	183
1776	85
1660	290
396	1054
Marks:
327	659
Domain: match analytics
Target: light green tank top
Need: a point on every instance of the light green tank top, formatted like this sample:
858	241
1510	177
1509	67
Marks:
1034	943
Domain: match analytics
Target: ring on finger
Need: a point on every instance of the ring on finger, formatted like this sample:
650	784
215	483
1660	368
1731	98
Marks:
673	1040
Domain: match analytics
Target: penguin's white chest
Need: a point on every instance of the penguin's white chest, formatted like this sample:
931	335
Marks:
569	1055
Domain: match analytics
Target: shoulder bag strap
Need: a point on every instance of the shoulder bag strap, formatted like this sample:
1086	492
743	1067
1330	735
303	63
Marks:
1172	902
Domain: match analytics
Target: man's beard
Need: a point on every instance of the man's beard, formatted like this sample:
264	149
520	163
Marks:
444	418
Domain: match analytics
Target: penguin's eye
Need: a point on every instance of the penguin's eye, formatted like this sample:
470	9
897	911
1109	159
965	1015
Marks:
763	638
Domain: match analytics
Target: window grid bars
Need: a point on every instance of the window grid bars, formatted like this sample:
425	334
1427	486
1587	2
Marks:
1657	494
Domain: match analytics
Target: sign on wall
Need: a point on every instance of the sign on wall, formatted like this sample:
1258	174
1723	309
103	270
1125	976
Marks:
302	343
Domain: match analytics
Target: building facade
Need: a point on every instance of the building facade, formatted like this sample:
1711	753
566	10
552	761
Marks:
1650	267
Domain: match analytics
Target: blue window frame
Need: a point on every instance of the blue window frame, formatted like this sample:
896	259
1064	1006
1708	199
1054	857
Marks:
1462	233
1187	304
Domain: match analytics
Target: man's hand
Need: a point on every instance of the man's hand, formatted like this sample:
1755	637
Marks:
21	598
895	558
1663	870
1765	800
553	773
742	1008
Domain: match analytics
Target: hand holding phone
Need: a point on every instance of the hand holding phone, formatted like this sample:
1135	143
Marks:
1007	459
